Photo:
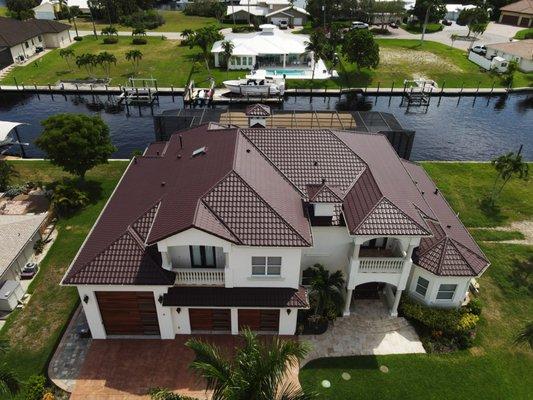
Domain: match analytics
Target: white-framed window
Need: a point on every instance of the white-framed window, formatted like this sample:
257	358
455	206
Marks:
266	266
422	286
446	291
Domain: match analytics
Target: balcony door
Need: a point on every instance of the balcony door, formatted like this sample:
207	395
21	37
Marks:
203	256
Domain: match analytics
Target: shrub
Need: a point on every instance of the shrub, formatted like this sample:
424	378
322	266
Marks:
149	19
110	40
13	191
165	394
528	35
243	29
49	396
35	388
139	40
7	173
38	247
68	198
474	307
78	38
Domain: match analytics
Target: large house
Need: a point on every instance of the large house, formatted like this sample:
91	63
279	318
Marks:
212	230
269	11
520	51
21	40
519	13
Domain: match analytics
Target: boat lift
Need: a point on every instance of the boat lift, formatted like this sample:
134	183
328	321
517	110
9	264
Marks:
417	93
7	128
140	91
199	97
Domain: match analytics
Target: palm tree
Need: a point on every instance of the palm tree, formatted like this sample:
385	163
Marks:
326	291
135	56
87	61
508	166
139	31
67	55
257	370
73	13
105	59
204	38
315	45
525	336
9	382
227	46
109	31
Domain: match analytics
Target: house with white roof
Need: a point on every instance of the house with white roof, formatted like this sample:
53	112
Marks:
269	11
269	48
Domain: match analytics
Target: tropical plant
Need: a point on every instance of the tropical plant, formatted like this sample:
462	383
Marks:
360	48
68	197
186	35
525	336
165	394
67	55
35	387
227	47
109	31
326	292
257	370
7	173
508	166
9	382
21	9
204	38
476	19
106	59
75	142
87	61
316	46
135	56
138	32
508	76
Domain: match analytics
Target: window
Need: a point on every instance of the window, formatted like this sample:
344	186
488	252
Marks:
26	44
270	266
422	286
446	292
40	38
203	256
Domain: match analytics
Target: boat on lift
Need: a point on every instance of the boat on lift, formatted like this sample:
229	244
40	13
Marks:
9	136
258	83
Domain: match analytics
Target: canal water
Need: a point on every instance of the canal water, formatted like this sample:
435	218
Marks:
451	128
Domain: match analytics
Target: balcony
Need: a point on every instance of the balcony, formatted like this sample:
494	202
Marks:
199	276
381	264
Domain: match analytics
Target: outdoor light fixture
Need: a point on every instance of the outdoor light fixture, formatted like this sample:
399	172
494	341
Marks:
160	299
288	311
178	310
85	299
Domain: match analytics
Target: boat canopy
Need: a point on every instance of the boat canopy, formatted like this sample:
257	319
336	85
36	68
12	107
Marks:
6	127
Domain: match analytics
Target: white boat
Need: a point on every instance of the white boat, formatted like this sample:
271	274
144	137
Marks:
258	83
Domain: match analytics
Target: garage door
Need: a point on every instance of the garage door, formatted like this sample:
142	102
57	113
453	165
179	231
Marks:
259	320
210	319
277	20
525	22
510	20
128	313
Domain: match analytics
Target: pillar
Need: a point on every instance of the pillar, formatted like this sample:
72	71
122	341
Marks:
234	321
164	316
347	303
284	60
288	318
92	313
165	260
394	309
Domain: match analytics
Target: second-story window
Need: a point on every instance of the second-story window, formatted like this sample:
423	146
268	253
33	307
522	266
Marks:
266	266
203	256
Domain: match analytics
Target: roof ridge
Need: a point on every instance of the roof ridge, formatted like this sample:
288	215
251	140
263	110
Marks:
421	253
272	208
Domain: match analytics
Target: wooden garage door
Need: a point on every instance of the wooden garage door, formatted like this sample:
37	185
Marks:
128	313
510	20
525	22
210	319
259	320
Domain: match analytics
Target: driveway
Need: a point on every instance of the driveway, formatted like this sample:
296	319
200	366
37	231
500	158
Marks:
495	33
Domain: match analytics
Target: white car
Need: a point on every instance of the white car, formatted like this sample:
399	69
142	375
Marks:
283	24
479	49
359	25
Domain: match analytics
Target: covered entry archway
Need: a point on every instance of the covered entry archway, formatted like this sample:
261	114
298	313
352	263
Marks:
380	293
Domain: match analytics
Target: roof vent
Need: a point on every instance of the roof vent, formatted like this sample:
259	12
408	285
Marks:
436	191
247	150
200	151
315	163
448	226
163	183
181	141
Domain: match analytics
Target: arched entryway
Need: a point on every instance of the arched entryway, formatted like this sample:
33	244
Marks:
378	297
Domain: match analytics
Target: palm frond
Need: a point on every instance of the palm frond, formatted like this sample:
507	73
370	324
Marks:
291	392
9	382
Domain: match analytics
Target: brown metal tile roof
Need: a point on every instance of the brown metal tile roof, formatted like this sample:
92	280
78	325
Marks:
451	251
13	32
180	296
522	6
324	194
258	110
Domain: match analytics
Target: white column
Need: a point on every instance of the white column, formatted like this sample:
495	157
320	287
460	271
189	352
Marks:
228	277
165	260
407	264
347	303
394	309
234	321
354	266
164	316
182	323
288	318
284	60
92	313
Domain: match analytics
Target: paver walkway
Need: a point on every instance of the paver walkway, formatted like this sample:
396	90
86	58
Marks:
368	330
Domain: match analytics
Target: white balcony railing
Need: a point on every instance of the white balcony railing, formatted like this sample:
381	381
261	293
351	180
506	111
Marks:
199	276
381	264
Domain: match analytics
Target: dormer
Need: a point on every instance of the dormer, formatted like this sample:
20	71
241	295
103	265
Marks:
324	203
257	115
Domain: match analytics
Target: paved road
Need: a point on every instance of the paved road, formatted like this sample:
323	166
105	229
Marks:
495	33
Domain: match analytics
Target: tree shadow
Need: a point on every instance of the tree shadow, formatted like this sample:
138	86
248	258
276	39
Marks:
491	209
520	275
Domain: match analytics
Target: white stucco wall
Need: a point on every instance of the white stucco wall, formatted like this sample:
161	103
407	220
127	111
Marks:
20	49
434	282
332	246
54	40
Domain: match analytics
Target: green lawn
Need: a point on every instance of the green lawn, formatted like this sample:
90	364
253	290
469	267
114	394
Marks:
35	331
494	368
490	235
175	21
417	29
3	11
522	33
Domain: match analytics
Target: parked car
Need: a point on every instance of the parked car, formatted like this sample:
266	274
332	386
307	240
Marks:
283	24
446	22
393	25
479	49
359	25
29	270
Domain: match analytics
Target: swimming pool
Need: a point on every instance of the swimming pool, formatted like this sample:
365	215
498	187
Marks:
288	72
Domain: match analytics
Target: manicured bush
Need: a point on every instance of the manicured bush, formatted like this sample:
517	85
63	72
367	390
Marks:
474	306
110	40
243	29
149	19
36	387
68	198
139	40
78	38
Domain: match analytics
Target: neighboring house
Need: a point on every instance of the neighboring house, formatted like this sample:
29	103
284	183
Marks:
212	230
453	10
270	11
45	10
18	235
520	51
518	14
271	47
20	40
